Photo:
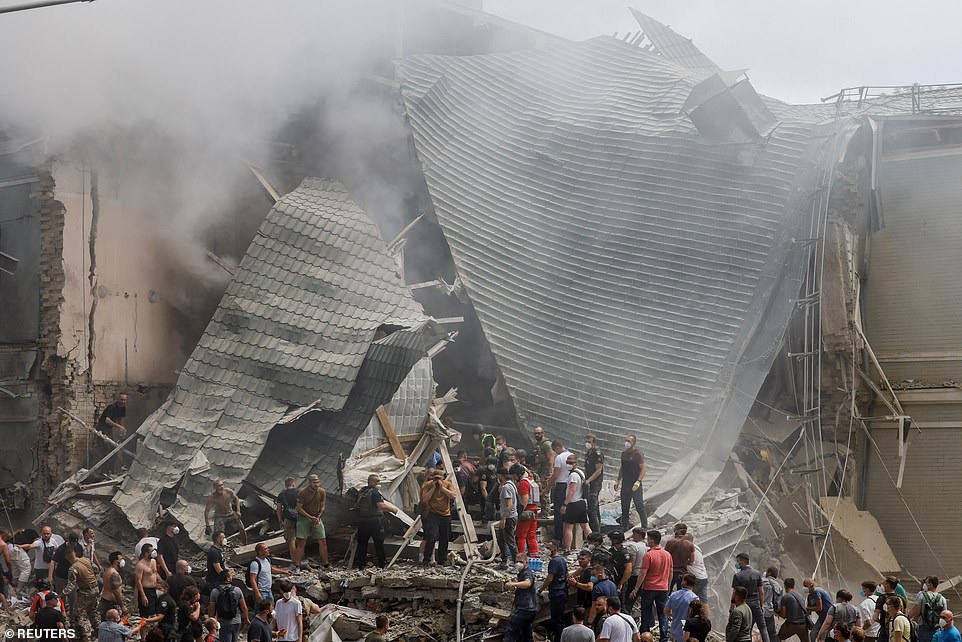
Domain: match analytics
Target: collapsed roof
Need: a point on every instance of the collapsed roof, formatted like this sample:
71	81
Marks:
629	275
315	331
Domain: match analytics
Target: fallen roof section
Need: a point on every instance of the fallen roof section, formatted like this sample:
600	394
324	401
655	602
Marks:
628	275
673	46
316	316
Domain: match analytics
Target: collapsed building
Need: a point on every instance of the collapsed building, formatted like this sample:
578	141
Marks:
629	239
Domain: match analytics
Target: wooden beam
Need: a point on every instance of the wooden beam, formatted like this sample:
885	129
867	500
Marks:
408	536
389	432
467	523
372	451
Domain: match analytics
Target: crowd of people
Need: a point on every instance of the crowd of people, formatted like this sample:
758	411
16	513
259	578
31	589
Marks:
638	586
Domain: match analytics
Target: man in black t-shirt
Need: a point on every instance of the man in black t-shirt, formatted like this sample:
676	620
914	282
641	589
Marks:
285	507
62	566
488	479
595	472
166	617
49	617
370	509
215	561
751	580
630	476
168	551
113	420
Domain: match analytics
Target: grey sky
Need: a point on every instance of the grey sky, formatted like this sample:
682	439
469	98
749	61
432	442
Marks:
794	51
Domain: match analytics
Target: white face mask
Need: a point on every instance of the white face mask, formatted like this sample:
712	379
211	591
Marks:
273	614
123	562
189	569
153	555
175	530
627	445
518	566
943	623
286	596
587	446
570	466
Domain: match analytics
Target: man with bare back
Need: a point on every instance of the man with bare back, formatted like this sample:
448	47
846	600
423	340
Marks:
145	582
226	507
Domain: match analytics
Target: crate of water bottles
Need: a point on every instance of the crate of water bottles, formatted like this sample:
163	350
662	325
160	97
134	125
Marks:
536	564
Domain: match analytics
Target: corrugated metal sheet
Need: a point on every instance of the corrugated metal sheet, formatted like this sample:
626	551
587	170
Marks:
296	327
672	46
407	410
628	276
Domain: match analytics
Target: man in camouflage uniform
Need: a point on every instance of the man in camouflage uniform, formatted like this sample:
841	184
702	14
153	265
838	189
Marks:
543	458
82	578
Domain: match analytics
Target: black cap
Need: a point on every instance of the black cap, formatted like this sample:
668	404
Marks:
516	469
616	536
596	537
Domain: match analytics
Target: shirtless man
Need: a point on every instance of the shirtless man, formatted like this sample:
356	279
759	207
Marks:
145	582
227	511
111	597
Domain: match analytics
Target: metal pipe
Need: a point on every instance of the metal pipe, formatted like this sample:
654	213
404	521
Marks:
37	5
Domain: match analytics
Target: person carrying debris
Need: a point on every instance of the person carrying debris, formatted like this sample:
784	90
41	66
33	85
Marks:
436	495
82	578
226	507
630	475
311	504
525	608
370	508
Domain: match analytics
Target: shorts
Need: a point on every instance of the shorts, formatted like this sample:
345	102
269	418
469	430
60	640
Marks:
306	529
103	606
290	529
576	513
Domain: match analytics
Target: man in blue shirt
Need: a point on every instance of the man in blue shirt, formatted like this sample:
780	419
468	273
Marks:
947	631
601	585
556	583
819	602
525	603
677	607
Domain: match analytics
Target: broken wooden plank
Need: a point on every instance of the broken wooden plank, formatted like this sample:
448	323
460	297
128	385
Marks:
389	432
408	536
373	451
467	523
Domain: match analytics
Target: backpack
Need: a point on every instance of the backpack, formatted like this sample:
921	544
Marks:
227	602
288	511
247	575
364	506
913	628
534	496
932	609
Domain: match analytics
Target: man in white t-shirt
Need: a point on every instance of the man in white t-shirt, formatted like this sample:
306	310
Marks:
288	614
558	483
48	542
575	505
144	539
866	611
697	568
618	627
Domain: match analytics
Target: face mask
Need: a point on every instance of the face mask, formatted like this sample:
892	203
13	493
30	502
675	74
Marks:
189	569
587	446
498	449
943	622
491	468
862	593
123	563
738	566
519	566
571	466
627	445
273	614
175	530
286	595
594	578
153	555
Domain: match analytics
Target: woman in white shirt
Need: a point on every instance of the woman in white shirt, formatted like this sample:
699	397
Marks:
575	507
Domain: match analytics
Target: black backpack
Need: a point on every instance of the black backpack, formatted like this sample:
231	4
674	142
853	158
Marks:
365	506
227	602
247	575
